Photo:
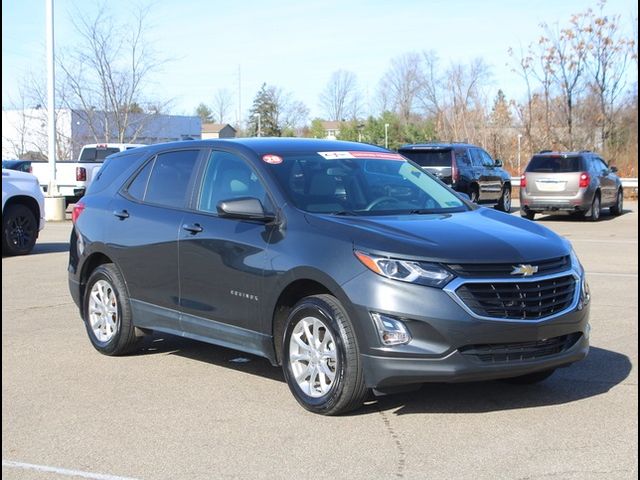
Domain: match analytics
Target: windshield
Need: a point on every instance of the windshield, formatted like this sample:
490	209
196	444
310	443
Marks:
358	183
558	164
92	154
429	158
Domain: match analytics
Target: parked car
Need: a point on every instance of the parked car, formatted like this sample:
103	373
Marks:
73	177
580	183
342	262
22	212
19	165
467	168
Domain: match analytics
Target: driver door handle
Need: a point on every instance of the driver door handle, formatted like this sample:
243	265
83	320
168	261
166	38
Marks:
193	228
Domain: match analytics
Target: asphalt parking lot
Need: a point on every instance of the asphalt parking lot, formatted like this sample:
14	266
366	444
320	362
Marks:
182	409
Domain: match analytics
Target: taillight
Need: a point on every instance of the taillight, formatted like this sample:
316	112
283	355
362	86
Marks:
81	174
455	173
30	169
585	180
78	208
523	181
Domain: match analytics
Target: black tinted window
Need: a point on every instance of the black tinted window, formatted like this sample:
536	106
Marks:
138	187
544	163
170	177
476	157
463	157
228	177
97	154
109	171
429	158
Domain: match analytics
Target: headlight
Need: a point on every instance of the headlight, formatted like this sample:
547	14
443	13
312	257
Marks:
422	273
575	262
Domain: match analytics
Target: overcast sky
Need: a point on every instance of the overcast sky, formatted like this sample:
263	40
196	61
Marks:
296	45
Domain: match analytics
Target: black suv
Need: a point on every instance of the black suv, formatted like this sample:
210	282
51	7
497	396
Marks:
345	263
467	168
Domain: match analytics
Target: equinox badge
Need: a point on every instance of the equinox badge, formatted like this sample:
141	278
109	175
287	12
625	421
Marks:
525	270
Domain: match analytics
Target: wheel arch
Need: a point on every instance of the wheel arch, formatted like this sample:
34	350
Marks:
29	202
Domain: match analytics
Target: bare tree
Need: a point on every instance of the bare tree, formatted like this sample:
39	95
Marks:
222	105
402	83
107	74
340	98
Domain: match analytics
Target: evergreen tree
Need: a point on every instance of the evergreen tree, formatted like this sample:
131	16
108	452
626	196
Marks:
266	108
205	113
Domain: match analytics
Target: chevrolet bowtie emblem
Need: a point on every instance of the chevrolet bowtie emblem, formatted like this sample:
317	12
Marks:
524	270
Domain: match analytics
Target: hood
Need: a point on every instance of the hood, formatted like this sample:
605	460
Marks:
478	236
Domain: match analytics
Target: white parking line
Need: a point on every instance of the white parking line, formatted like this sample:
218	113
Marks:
611	274
604	240
63	471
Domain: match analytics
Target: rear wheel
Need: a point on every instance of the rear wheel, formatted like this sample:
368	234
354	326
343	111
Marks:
530	378
617	208
504	204
596	208
19	230
107	312
321	361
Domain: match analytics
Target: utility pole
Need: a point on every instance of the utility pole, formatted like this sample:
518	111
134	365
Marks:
239	97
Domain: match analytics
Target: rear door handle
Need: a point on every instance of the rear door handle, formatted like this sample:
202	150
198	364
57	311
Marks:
121	214
193	228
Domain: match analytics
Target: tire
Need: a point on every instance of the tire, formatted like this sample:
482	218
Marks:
530	378
474	194
528	214
314	389
104	288
504	204
19	230
596	209
617	208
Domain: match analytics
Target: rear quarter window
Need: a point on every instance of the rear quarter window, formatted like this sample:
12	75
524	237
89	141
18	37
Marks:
429	158
555	164
111	169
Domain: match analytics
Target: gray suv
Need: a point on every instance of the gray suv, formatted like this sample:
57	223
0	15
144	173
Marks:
580	183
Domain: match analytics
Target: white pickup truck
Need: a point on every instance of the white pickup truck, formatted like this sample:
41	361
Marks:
74	176
22	212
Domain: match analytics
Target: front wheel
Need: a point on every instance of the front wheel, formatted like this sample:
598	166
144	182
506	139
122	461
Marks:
321	361
107	312
504	204
617	208
19	230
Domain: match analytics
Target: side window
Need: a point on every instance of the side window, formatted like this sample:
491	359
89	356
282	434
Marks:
463	157
487	161
602	166
138	187
169	179
476	157
226	177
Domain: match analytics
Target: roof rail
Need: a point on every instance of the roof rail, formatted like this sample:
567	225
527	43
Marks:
585	151
545	151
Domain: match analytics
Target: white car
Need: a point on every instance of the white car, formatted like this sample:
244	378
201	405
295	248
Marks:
22	212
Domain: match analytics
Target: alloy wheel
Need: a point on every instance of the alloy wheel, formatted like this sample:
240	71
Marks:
313	356
21	231
103	311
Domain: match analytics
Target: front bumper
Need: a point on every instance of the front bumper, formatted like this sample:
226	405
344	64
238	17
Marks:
442	329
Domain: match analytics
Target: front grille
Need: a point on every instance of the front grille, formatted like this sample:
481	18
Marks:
515	352
530	300
479	270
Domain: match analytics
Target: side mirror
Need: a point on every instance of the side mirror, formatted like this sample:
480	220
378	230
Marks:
614	169
498	163
244	208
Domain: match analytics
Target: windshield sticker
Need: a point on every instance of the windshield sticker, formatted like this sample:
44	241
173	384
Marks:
335	155
362	154
272	159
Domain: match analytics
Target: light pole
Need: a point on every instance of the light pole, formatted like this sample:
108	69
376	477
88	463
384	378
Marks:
519	138
386	135
259	124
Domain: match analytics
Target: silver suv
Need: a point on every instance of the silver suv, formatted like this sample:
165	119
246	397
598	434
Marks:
580	183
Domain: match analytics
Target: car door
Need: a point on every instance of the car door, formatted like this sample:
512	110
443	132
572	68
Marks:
143	235
478	171
222	259
492	178
608	184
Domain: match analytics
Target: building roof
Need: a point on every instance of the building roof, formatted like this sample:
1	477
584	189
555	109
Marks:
331	125
215	127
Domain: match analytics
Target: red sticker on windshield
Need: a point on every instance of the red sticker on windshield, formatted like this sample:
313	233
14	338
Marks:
272	159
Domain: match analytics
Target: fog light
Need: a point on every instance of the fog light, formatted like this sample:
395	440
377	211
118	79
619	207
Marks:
391	331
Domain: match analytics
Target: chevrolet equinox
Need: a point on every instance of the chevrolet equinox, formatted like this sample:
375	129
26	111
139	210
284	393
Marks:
346	264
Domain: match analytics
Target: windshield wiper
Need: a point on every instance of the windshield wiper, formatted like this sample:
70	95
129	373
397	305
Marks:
343	213
421	211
